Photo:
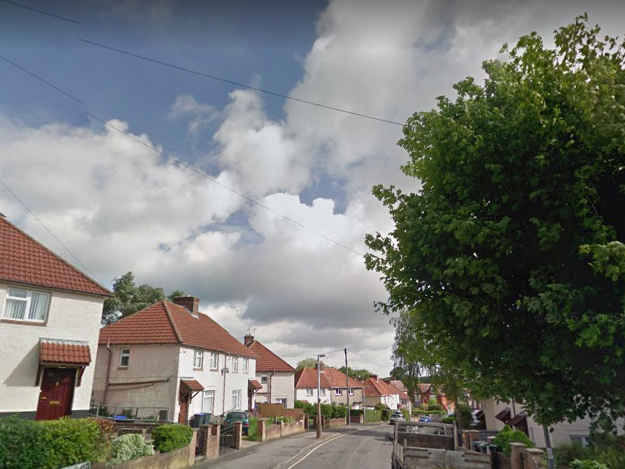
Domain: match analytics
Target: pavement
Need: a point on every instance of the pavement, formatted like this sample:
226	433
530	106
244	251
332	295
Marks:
350	447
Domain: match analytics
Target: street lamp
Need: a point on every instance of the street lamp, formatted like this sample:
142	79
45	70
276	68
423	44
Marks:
318	424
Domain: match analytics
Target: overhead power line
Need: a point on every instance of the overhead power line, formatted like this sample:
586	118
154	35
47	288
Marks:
47	229
179	162
47	13
231	82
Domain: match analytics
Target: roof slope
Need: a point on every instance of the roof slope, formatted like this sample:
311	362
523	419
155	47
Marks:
377	387
267	360
402	394
169	323
24	260
306	378
336	378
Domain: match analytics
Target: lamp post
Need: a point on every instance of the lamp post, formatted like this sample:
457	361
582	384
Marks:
318	424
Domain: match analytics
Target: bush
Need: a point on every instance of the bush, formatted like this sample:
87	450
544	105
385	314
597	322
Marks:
466	415
71	441
128	447
588	464
450	419
171	437
434	406
379	406
406	414
21	444
565	453
507	436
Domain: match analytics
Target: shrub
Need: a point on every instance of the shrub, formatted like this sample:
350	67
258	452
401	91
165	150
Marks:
379	406
128	447
588	464
21	444
72	441
406	414
171	437
339	411
106	428
507	436
565	453
466	415
434	406
450	419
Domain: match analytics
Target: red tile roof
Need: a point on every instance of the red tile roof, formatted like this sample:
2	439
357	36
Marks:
192	384
306	378
64	351
169	323
397	383
336	378
24	260
254	384
267	360
377	387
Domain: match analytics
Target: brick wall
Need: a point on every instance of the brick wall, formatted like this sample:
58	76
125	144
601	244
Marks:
334	422
273	431
281	430
209	446
178	459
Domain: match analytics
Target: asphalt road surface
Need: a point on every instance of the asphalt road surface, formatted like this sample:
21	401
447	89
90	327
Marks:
364	448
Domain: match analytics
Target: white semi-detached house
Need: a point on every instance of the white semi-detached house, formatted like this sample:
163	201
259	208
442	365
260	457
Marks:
170	361
274	376
50	316
306	387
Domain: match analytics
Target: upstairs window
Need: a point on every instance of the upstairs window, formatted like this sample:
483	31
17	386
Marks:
323	391
198	359
214	361
25	305
351	391
309	392
338	392
263	379
124	358
235	364
246	365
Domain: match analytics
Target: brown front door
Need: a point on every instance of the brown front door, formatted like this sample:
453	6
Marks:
184	407
57	393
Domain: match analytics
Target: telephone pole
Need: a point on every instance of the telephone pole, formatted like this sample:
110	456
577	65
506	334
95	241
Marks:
349	409
318	423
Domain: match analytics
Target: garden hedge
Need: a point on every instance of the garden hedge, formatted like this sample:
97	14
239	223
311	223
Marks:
171	437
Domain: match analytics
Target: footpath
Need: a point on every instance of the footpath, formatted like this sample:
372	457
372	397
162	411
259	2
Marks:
279	453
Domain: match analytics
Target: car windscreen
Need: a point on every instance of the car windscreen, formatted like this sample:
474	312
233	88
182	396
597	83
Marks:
237	415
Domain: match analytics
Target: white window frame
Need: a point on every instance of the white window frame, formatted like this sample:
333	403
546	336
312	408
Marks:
208	395
323	391
351	391
214	364
338	392
236	399
198	359
28	304
124	353
309	392
235	364
246	365
264	379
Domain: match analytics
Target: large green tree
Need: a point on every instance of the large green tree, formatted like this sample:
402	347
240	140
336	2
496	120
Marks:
511	256
307	363
356	373
129	298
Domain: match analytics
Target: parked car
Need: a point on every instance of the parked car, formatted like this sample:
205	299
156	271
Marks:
232	417
397	415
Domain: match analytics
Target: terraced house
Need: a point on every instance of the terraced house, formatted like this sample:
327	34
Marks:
49	323
170	361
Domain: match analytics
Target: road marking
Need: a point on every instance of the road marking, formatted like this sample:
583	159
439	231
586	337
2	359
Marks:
319	446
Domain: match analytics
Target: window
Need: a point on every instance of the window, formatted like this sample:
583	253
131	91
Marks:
583	440
236	399
246	365
282	401
214	360
124	358
323	392
263	379
198	359
235	364
309	392
208	399
24	305
338	392
351	391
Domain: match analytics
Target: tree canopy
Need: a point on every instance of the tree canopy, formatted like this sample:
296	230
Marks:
129	298
307	363
359	374
510	257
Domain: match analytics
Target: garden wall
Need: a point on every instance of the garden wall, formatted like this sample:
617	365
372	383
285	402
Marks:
334	422
280	430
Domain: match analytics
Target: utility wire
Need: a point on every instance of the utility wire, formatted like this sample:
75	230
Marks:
47	229
181	163
224	80
42	12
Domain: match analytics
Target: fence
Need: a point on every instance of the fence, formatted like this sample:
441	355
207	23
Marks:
127	412
278	410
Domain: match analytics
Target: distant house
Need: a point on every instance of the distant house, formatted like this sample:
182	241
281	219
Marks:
171	361
404	398
306	386
379	392
50	316
340	392
275	376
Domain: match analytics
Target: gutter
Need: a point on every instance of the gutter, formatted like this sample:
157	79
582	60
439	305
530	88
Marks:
271	383
108	370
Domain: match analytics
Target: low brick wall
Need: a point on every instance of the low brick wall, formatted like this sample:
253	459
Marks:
280	430
330	423
293	428
178	459
356	418
272	432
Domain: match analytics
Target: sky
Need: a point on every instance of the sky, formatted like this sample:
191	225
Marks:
226	224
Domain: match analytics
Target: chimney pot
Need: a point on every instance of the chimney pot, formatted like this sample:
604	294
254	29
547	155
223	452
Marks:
375	377
190	302
248	339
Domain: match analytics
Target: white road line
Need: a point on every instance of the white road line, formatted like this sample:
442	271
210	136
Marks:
319	446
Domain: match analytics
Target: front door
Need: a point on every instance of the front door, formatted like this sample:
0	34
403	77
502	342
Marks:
57	393
184	407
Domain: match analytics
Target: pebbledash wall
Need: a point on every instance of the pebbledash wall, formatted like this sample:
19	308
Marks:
279	385
70	317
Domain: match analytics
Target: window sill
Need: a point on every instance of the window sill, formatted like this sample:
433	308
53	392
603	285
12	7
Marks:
24	323
122	367
198	369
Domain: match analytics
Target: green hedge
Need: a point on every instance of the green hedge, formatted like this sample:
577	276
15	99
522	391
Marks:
171	437
21	444
507	436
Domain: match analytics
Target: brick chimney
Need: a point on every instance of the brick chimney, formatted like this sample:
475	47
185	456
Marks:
322	367
374	377
248	339
190	302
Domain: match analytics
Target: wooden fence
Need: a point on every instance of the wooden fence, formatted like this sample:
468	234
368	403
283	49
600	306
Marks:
278	410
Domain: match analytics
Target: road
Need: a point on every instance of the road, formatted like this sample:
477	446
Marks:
352	447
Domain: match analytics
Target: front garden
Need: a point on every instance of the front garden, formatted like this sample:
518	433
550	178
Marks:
55	444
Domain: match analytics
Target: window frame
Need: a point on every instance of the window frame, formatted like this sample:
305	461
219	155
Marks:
124	353
28	304
214	361
235	364
200	354
323	391
309	392
237	399
350	391
264	379
205	394
246	365
338	392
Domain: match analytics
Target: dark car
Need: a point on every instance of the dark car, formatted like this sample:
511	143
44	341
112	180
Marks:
232	417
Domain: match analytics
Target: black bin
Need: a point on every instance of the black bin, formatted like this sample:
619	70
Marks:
200	419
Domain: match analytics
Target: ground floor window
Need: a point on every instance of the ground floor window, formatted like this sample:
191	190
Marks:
236	399
208	401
